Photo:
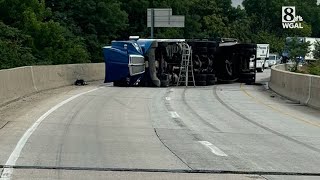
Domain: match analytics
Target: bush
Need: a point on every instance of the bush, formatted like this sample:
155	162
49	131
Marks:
15	48
314	68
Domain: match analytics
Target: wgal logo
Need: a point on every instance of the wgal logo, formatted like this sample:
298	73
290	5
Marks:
289	18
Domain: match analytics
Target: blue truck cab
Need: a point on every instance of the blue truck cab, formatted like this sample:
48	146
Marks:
124	62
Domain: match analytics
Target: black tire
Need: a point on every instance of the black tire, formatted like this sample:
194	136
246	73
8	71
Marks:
212	50
191	84
200	50
200	77
199	43
248	78
120	84
164	77
211	77
201	83
212	45
259	70
165	83
211	82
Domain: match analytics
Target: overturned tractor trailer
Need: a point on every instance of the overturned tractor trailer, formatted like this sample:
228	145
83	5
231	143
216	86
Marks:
157	62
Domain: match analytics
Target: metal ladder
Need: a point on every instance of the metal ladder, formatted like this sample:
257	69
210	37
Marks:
186	67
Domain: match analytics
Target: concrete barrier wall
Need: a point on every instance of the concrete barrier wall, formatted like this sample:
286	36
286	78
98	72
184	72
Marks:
15	83
19	82
298	87
48	77
315	93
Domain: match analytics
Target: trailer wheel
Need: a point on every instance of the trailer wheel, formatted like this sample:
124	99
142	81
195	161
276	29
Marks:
165	83
201	83
211	76
200	50
260	69
200	77
211	82
248	78
212	50
211	79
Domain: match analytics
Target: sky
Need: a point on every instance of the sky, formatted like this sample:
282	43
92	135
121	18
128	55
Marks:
235	3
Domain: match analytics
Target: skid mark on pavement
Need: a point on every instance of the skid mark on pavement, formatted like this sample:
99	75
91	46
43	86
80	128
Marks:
196	114
8	170
277	109
261	126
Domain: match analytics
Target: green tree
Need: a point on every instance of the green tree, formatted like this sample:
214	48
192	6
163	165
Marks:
276	43
297	49
239	24
96	21
137	16
316	51
314	67
14	48
49	42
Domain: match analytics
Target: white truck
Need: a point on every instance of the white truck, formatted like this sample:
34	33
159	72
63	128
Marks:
309	56
262	57
274	59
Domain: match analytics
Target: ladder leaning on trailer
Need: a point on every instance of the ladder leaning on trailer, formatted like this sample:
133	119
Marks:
186	67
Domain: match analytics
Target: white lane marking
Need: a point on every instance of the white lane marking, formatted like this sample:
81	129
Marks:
174	114
7	171
168	98
215	150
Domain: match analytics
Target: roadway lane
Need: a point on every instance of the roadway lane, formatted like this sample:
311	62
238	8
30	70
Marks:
108	128
234	128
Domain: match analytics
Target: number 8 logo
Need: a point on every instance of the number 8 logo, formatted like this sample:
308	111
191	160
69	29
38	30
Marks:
288	16
288	13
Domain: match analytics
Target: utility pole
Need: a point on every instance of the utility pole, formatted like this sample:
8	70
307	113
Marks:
152	23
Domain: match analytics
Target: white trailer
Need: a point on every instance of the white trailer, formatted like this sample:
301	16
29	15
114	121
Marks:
312	41
262	57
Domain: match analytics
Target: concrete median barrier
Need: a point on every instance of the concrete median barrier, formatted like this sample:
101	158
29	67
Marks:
15	83
18	82
48	77
314	100
298	87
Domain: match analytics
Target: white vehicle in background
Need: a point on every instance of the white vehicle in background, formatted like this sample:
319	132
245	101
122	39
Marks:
262	57
312	41
273	59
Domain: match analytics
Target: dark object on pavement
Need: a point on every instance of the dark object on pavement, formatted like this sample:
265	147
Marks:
80	82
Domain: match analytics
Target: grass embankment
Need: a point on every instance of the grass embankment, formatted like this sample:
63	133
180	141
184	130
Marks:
312	68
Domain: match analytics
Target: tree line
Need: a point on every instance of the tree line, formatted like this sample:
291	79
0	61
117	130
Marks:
35	32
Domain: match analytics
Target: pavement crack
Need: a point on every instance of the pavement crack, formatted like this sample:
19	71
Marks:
155	130
4	124
200	171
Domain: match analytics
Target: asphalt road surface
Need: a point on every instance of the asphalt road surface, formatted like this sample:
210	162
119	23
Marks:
226	131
